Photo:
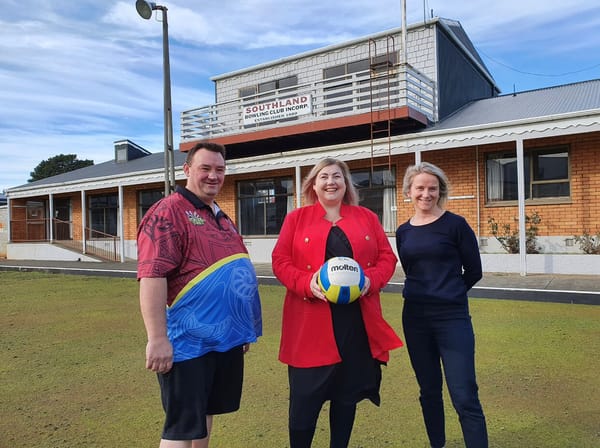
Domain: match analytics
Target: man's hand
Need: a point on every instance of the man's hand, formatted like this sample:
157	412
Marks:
159	355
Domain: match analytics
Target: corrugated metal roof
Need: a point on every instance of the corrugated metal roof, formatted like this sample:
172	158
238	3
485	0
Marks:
111	168
540	103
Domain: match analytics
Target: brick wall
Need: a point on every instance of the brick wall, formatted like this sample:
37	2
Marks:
566	217
460	166
76	213
130	214
463	166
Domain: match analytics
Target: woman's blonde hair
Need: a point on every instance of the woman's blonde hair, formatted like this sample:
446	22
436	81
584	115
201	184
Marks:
429	168
310	196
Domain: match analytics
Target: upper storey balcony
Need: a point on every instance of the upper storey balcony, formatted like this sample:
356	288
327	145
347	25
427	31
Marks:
386	99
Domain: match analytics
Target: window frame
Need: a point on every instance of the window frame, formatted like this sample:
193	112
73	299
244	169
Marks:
264	200
142	207
268	86
387	218
110	213
532	158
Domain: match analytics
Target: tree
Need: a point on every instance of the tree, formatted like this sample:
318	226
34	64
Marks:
62	163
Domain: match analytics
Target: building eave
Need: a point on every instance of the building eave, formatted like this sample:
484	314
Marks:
430	140
552	126
535	127
98	183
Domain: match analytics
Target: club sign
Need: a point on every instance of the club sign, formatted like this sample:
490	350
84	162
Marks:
277	110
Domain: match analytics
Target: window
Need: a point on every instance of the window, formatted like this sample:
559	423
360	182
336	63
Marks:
351	83
146	199
263	204
269	91
104	212
247	91
282	83
546	173
290	81
377	192
267	86
338	80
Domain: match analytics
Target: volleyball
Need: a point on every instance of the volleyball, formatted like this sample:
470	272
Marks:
341	279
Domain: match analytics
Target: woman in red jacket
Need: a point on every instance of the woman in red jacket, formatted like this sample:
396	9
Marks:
334	352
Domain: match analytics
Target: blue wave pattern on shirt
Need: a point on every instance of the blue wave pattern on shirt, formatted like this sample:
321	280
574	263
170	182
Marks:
218	310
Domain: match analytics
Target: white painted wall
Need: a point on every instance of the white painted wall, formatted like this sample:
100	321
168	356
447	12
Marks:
558	245
260	250
309	66
3	230
568	264
43	251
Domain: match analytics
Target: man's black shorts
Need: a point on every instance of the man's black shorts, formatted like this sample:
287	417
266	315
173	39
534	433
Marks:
193	389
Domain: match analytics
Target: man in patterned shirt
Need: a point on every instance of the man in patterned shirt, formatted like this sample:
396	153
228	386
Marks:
199	301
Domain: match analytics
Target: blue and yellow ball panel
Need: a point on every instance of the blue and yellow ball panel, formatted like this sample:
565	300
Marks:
342	285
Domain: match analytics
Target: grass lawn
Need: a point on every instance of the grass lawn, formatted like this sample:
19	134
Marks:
72	374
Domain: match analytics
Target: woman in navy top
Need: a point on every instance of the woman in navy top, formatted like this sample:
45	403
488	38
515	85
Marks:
440	257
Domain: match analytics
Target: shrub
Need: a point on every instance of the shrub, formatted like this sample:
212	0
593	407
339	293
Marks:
509	238
589	244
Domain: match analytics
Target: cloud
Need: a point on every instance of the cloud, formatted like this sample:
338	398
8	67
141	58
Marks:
76	76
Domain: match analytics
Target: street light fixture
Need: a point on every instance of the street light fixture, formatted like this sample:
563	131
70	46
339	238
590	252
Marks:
145	9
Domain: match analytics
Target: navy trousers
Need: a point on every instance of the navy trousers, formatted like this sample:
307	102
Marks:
444	336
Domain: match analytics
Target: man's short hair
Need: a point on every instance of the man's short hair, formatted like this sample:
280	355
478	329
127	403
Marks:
210	146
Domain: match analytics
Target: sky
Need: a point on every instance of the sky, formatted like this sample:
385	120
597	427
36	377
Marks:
76	76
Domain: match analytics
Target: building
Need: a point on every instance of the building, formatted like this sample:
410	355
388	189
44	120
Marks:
380	103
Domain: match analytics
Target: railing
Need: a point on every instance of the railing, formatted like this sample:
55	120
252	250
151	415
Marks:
331	98
102	245
98	244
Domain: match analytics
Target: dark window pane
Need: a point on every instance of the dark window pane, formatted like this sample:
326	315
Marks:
358	66
147	199
103	215
247	91
361	179
290	81
502	179
246	189
510	186
377	192
377	178
252	216
273	218
551	166
333	72
97	221
373	200
263	204
267	86
551	190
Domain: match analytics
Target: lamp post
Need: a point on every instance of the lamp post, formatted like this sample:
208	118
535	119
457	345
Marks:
145	9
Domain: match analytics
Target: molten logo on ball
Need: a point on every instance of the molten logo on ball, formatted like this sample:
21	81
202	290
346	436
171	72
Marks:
341	279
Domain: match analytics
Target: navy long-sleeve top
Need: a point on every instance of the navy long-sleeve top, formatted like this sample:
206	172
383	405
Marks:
441	260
